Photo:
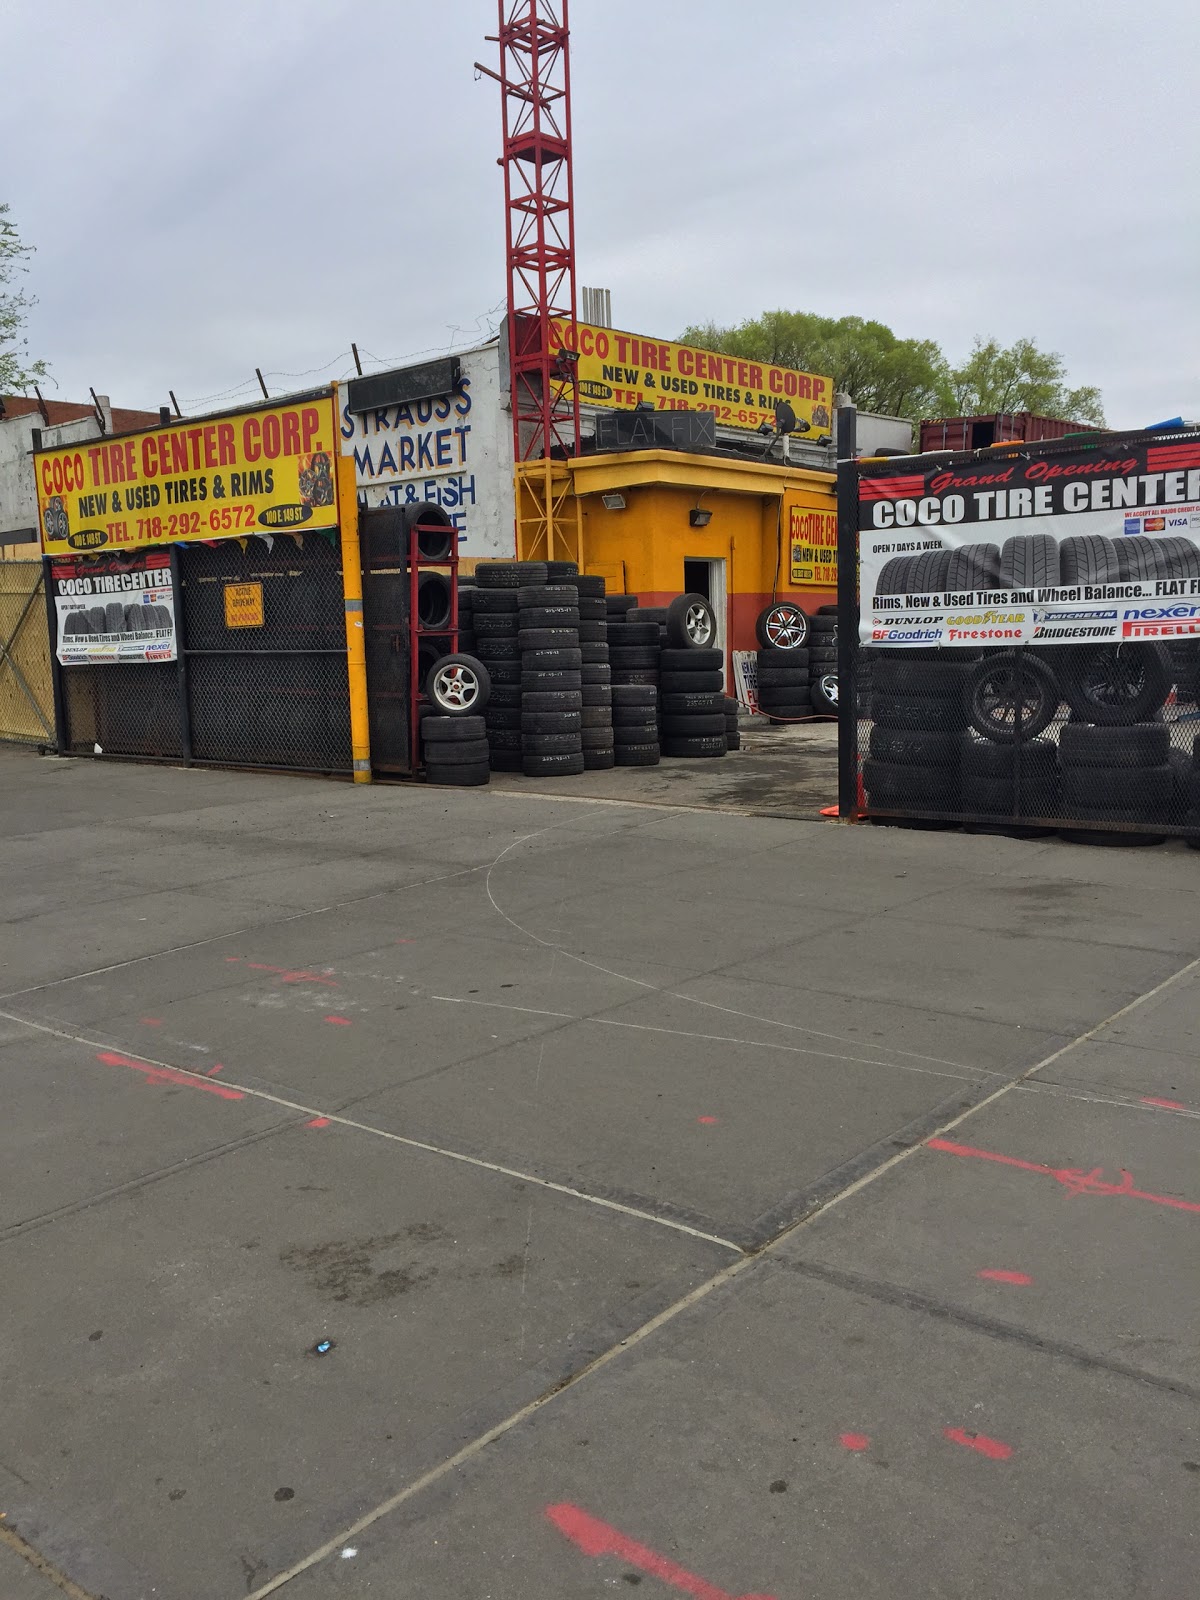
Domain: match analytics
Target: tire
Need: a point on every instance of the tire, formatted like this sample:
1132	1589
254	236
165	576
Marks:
1178	557
505	761
489	602
496	625
596	696
469	753
694	660
782	626
631	675
464	777
1138	558
634	694
926	788
691	623
983	759
433	601
929	571
692	683
596	674
502	717
636	657
1029	560
787	659
635	733
541	639
549	617
452	730
693	727
655	614
538	595
687	749
504	739
599	760
458	685
552	700
916	747
994	797
1145	790
783	677
592	610
974	566
593	632
562	569
596	717
910	713
1003	684
692	705
551	744
633	633
563	660
1088	558
551	721
550	682
825	694
495	649
1113	685
590	585
733	741
893	576
550	766
509	574
1146	744
505	673
637	755
944	680
618	604
597	739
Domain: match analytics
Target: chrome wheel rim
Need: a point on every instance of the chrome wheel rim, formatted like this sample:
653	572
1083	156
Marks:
456	688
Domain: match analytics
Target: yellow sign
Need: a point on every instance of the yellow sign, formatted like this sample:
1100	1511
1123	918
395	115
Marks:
243	605
268	470
814	538
624	370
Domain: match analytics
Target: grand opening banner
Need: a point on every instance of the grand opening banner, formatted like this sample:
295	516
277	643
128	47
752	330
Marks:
626	370
1024	545
267	470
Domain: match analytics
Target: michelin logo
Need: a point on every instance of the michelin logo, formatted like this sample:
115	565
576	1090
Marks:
1074	616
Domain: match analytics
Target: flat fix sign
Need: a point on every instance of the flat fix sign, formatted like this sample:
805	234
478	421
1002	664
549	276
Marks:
813	538
267	470
243	605
624	370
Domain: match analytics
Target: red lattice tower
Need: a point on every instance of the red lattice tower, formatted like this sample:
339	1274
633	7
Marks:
535	83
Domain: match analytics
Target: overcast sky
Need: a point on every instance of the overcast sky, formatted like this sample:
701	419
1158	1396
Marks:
228	184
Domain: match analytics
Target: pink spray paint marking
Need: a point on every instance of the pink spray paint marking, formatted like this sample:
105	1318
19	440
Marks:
707	1121
150	1022
318	1122
155	1074
1073	1179
596	1538
218	1066
290	975
1002	1275
855	1441
340	1022
1167	1105
992	1448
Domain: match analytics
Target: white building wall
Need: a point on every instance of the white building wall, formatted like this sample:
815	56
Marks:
18	496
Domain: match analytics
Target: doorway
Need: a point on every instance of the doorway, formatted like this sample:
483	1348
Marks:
707	577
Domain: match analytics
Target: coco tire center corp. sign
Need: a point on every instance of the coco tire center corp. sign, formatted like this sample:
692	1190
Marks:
1069	544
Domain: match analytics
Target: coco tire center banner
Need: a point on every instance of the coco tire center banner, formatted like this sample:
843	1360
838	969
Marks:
264	471
114	609
1061	544
624	370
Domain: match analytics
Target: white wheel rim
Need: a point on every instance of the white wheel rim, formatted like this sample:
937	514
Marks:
784	629
829	688
456	688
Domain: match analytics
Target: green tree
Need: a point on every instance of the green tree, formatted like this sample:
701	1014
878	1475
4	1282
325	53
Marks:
901	377
17	372
1021	378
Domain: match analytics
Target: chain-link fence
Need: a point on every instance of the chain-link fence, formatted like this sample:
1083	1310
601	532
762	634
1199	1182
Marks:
26	685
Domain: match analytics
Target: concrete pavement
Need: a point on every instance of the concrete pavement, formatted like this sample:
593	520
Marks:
421	1193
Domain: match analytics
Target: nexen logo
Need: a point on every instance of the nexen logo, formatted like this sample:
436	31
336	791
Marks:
1157	613
1075	616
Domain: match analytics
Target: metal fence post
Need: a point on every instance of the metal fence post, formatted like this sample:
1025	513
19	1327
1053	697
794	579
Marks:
847	599
181	662
61	734
352	591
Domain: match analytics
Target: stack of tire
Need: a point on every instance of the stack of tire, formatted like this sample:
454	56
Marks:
467	642
784	691
1003	783
596	674
551	675
692	682
633	650
495	623
918	714
1119	775
823	662
733	734
456	750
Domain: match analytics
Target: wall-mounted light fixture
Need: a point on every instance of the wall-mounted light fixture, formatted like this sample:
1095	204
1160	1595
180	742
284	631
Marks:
698	518
613	502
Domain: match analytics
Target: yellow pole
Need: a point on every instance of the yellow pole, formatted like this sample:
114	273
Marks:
356	643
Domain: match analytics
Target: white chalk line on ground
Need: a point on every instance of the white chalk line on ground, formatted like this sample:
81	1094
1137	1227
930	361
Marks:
333	1118
693	1297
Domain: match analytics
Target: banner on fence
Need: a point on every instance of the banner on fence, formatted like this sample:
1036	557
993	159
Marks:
110	611
1020	547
